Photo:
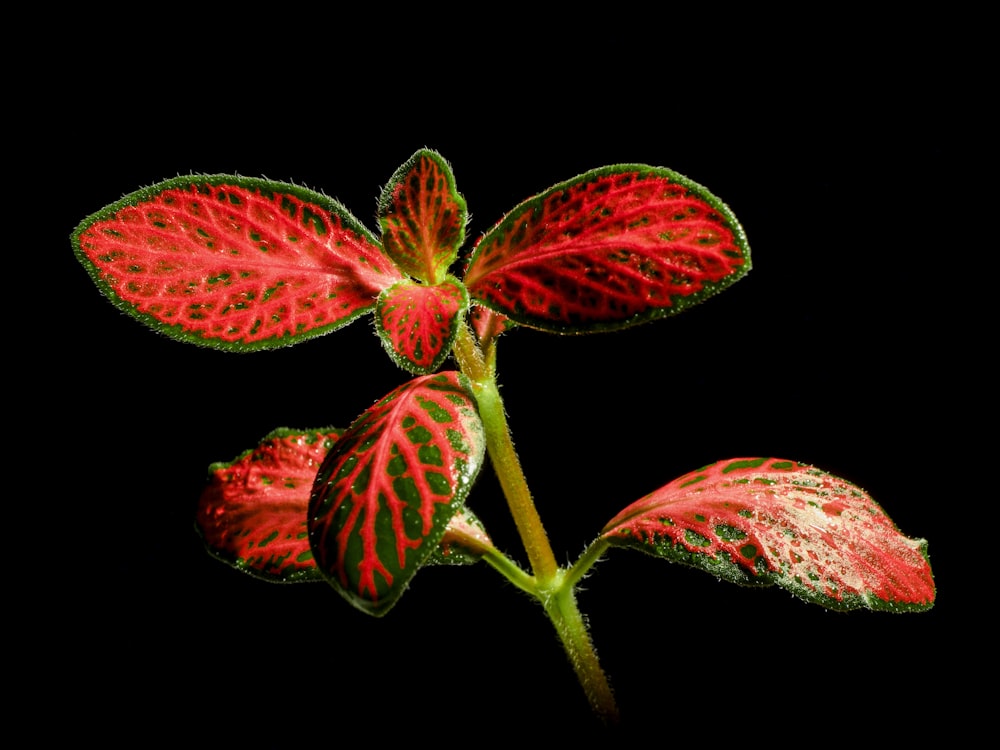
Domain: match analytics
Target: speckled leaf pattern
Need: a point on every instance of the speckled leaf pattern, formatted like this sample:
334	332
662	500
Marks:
386	492
418	322
772	521
610	248
233	262
252	514
423	217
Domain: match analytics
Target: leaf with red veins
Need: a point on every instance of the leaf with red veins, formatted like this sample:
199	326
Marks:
233	262
252	514
610	248
769	521
423	217
387	491
417	322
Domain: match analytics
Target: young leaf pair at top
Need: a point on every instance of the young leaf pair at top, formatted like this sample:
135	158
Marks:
243	263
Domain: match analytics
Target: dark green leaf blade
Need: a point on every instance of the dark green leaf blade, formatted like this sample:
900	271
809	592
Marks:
769	521
387	491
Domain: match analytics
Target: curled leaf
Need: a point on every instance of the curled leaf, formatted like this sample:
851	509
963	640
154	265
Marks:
252	514
771	521
389	487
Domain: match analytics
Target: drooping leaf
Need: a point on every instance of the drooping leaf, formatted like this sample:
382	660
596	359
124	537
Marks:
233	262
418	322
252	514
386	492
608	249
770	521
423	217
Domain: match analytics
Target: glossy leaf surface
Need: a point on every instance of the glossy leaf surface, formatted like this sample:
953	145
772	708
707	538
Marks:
418	322
234	262
386	492
252	514
608	249
770	521
423	217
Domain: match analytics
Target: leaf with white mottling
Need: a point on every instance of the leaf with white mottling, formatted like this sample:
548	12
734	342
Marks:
771	521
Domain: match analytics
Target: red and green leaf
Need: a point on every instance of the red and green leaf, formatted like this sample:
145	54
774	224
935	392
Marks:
423	217
252	514
769	521
418	322
608	249
464	542
233	262
488	324
387	491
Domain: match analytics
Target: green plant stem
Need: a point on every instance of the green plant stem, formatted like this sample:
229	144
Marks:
565	615
553	586
590	556
504	458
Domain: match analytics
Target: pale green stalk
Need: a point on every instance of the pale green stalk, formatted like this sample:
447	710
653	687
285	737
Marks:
553	586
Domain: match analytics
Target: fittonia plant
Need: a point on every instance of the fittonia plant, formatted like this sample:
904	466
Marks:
244	264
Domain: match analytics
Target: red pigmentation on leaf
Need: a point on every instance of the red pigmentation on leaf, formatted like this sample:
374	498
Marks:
387	491
423	217
418	322
252	514
233	262
771	521
608	249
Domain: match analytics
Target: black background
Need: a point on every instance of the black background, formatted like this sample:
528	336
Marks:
841	349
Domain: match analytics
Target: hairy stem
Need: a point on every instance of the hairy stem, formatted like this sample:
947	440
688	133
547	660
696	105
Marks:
504	458
550	584
565	615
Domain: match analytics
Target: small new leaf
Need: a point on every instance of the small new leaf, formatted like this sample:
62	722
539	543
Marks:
417	323
770	521
387	491
423	217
